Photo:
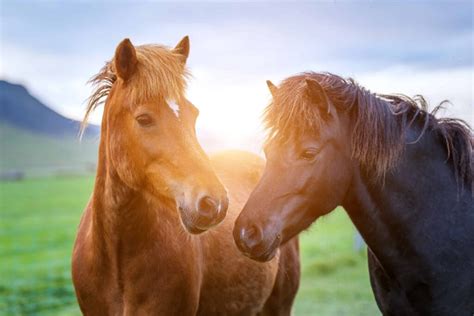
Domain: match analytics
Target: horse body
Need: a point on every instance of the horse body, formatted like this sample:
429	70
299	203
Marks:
142	246
405	177
243	278
420	251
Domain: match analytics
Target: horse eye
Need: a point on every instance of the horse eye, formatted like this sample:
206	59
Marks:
144	120
309	154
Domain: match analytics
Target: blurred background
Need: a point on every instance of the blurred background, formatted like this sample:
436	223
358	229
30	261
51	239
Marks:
49	50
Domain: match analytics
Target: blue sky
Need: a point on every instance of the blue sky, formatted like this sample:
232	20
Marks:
411	47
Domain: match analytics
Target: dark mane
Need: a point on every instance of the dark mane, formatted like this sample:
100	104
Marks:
380	122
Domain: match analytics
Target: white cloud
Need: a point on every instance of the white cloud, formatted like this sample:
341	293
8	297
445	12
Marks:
56	79
235	48
231	105
455	85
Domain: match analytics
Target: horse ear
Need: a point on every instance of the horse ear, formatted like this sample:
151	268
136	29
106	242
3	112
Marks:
273	89
318	96
182	48
125	59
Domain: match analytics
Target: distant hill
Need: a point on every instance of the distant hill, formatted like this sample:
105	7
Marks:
18	108
33	154
37	141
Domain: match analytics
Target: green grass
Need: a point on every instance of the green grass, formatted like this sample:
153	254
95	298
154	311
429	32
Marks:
38	221
39	155
335	278
37	227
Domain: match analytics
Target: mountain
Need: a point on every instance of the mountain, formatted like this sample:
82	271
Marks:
18	108
37	141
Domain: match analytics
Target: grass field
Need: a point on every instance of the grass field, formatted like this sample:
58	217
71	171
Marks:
38	155
38	223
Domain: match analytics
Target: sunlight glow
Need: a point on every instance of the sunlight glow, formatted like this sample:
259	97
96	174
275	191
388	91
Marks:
230	114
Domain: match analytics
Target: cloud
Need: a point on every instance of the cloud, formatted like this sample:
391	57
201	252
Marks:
436	86
56	79
409	47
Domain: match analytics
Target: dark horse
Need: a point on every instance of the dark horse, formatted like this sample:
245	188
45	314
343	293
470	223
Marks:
404	177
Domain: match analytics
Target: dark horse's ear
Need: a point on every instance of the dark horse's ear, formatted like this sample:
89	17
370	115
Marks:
182	48
273	89
318	95
125	59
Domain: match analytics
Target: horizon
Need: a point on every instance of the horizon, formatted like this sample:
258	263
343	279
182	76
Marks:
387	47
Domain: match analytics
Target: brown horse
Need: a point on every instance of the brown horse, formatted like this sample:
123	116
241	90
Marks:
139	248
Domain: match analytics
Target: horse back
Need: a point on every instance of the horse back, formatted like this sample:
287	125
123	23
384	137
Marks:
277	280
239	171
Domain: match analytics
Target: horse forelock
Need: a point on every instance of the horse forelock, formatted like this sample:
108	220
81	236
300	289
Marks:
379	120
290	112
160	73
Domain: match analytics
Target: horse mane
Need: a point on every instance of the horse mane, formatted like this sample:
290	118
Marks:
160	72
380	122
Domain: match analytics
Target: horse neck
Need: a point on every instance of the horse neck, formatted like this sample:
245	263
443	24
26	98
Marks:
405	214
118	211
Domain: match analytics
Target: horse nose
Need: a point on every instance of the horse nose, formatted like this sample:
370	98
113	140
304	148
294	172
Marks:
207	207
250	237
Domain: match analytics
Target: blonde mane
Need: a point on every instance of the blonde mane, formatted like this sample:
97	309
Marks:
160	72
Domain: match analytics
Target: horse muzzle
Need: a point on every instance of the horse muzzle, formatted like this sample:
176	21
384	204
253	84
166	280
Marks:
205	214
252	243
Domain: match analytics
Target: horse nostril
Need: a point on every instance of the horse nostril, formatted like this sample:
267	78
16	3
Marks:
207	206
251	236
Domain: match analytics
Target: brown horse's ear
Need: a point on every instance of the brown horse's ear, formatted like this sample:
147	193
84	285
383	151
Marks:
318	95
182	48
125	59
273	89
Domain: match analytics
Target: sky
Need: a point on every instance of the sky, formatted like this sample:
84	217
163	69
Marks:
409	47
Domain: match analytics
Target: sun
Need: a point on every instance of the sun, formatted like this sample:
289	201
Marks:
230	115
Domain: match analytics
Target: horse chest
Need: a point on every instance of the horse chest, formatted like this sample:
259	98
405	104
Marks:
414	291
238	288
156	276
